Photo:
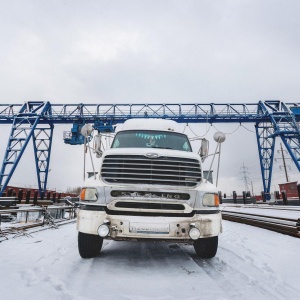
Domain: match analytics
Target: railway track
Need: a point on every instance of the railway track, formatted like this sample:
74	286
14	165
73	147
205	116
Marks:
288	224
284	224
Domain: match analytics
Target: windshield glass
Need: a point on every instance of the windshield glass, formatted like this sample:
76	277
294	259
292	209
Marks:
151	139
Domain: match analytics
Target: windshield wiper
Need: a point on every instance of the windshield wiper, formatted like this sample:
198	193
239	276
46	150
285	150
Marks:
161	147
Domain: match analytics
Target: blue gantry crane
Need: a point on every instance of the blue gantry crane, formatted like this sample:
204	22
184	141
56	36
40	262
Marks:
35	120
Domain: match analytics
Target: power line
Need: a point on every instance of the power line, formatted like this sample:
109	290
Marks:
284	162
245	177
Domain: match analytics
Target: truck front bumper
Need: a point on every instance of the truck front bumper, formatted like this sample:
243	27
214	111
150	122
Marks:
126	227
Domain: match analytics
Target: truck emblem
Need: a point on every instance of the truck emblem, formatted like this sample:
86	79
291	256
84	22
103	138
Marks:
152	155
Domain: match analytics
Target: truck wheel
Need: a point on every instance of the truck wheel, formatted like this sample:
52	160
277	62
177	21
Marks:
89	245
206	247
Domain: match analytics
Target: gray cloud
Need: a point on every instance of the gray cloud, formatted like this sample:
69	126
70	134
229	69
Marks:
149	52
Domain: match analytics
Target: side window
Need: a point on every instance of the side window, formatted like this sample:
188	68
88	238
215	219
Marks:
116	143
186	147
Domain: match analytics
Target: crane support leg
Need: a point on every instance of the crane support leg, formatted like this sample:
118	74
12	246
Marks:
21	132
24	124
42	142
266	145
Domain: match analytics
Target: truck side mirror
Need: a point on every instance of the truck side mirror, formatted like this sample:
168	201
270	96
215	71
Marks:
204	149
86	130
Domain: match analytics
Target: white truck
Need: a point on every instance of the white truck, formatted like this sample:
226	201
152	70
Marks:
150	187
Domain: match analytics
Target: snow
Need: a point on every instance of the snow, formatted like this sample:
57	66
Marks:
150	124
251	263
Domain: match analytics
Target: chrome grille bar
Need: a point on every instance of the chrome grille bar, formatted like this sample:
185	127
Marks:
152	174
142	166
129	169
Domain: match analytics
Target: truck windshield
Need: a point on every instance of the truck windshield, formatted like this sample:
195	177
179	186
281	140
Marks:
151	139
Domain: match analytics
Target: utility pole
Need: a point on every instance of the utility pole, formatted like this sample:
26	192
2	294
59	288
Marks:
284	163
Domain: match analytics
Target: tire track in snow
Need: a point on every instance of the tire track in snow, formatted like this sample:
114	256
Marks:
216	272
240	278
142	270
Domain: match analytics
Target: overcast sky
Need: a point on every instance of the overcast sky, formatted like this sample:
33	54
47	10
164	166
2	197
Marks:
150	52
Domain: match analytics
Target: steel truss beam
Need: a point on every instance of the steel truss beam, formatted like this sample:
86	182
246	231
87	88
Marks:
282	123
288	129
285	126
118	113
272	119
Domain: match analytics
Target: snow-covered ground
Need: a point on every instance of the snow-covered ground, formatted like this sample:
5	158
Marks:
251	263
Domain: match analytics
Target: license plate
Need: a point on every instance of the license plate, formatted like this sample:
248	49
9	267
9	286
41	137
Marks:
149	228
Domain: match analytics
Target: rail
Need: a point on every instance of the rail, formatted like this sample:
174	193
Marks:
285	225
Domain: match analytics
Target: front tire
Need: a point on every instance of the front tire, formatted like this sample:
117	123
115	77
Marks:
89	245
206	247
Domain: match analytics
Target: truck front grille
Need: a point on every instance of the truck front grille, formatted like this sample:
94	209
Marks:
139	169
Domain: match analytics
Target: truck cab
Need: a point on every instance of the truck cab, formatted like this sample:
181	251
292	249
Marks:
150	187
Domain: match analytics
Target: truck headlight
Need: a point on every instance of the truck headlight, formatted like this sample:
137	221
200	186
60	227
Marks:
210	200
103	230
88	194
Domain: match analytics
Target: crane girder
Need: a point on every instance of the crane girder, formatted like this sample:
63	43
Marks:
33	119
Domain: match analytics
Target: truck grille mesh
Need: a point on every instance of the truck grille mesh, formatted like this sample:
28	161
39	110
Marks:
139	169
146	205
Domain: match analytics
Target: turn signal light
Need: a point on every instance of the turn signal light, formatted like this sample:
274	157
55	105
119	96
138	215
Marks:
216	200
82	194
211	200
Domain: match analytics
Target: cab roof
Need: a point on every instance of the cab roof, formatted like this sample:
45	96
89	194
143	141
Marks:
149	124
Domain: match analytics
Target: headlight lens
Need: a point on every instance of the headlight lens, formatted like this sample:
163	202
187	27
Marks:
210	200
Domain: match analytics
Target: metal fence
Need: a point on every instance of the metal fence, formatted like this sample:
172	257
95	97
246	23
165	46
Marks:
25	218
